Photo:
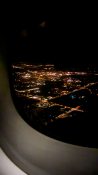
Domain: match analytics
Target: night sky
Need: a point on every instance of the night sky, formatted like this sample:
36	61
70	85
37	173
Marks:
69	38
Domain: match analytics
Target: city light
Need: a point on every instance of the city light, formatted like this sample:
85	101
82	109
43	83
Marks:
58	92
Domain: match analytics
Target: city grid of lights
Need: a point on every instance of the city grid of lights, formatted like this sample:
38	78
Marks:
44	85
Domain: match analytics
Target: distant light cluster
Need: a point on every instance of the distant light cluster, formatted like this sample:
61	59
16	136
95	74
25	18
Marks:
45	87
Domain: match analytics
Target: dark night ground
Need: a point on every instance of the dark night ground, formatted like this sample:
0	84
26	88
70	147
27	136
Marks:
80	129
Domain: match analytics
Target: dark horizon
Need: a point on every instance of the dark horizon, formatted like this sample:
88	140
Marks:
63	64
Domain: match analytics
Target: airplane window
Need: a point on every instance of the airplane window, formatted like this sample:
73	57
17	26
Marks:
54	87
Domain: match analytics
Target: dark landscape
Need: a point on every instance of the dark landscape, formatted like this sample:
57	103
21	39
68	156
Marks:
61	103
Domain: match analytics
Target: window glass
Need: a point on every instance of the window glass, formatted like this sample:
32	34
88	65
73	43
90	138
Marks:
54	76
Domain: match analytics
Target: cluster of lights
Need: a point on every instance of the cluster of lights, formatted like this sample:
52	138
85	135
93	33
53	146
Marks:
33	77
